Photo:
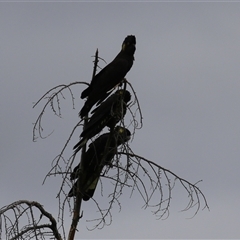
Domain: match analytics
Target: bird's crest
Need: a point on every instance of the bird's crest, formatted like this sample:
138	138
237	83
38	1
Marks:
129	40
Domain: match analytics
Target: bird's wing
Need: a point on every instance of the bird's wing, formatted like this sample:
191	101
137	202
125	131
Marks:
100	113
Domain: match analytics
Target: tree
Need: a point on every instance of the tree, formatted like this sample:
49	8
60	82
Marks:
124	169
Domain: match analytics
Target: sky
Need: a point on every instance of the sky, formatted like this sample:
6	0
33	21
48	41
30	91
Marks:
186	76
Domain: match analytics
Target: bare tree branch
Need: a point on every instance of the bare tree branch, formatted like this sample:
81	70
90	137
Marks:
25	211
126	171
78	199
51	95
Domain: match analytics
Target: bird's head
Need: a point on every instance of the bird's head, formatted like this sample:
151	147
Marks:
126	96
129	44
122	134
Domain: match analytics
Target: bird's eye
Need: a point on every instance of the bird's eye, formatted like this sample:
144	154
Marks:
121	130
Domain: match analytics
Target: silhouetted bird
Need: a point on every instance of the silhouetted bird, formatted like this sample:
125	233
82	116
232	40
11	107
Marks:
110	76
99	154
109	113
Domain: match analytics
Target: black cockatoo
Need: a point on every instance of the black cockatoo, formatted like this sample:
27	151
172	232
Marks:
110	76
108	114
99	154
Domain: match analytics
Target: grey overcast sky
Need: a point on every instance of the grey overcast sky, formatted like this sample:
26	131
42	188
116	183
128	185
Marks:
186	75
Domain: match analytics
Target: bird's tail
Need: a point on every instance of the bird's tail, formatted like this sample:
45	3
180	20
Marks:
90	190
84	111
80	144
85	92
72	192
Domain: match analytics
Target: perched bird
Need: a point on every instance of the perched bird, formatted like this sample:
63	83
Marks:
110	76
99	154
108	114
